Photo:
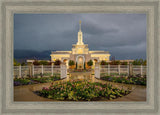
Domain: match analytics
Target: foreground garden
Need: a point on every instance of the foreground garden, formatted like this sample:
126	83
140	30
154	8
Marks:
35	80
137	79
80	90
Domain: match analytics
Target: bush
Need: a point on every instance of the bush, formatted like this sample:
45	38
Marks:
71	62
16	63
23	64
44	62
115	62
90	63
103	62
127	80
57	62
139	62
27	81
82	91
124	63
36	62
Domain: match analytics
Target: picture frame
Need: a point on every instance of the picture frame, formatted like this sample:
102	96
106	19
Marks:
9	7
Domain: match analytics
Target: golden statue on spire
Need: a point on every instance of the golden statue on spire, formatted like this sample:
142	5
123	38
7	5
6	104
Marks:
79	25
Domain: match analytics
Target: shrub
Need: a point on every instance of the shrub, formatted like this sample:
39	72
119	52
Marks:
36	62
139	62
84	66
57	62
71	62
82	91
44	62
90	63
16	63
27	81
127	80
23	64
115	62
124	63
103	62
76	65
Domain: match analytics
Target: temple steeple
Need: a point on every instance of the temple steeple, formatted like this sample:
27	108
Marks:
80	35
80	25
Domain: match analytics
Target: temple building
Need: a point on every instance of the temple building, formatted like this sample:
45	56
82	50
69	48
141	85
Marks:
80	53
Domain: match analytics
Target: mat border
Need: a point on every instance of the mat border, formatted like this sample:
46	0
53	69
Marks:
150	8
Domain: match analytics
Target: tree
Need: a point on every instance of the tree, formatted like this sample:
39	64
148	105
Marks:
124	63
16	63
145	62
76	65
71	62
139	62
57	62
90	63
44	62
36	62
23	64
114	62
103	62
84	66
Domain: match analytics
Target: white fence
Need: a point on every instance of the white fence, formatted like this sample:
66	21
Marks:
50	70
21	71
45	70
139	69
122	69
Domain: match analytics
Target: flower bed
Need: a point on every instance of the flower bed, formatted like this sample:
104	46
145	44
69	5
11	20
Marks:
28	81
82	91
137	80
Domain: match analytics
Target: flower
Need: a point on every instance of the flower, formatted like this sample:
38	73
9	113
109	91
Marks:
80	90
45	88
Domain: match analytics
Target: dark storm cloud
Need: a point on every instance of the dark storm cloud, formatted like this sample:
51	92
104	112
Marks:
95	29
124	35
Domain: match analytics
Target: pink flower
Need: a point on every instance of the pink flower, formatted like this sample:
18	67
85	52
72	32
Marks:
45	88
73	86
96	86
100	88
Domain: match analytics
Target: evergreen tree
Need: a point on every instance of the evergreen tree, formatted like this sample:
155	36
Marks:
57	62
84	65
71	62
90	63
76	65
103	62
16	63
139	62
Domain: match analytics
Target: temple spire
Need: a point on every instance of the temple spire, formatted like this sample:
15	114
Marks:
80	35
79	25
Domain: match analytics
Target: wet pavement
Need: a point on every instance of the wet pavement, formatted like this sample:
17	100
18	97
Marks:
26	93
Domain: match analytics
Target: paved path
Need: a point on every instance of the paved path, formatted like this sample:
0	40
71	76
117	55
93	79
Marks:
25	93
138	94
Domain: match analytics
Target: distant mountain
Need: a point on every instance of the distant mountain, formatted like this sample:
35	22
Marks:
22	55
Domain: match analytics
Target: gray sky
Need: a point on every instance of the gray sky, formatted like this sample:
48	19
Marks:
123	35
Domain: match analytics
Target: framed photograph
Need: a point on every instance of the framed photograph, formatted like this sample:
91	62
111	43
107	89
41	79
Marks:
79	57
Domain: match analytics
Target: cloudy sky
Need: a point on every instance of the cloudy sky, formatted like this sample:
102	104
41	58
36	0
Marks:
123	35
